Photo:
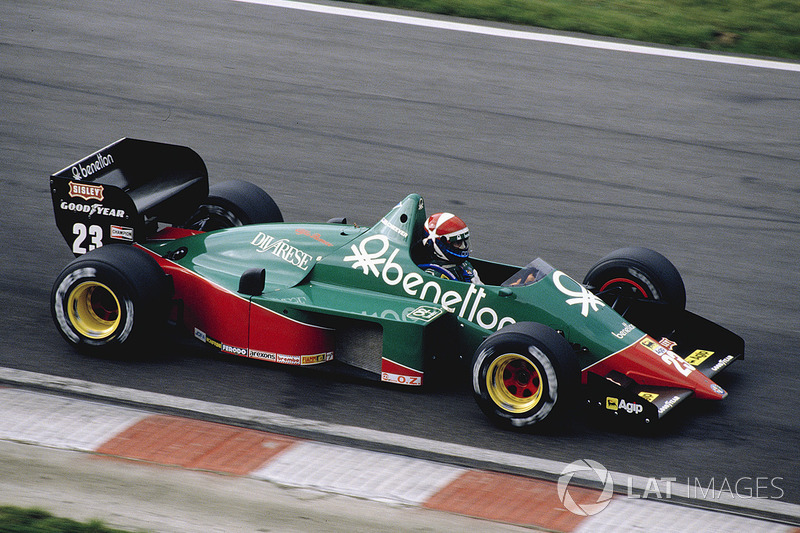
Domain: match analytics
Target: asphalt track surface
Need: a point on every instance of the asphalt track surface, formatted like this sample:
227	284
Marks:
546	150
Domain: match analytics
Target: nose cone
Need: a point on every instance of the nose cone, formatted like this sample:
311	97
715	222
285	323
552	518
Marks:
710	390
648	363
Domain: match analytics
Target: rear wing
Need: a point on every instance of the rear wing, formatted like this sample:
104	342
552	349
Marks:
123	191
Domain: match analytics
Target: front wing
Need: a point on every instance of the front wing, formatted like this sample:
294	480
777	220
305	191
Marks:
705	345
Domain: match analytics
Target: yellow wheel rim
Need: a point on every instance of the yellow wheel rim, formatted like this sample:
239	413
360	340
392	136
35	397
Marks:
94	310
514	383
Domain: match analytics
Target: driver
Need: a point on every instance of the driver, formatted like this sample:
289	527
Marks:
446	244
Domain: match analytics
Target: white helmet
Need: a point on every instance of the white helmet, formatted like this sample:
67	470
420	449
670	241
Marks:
449	237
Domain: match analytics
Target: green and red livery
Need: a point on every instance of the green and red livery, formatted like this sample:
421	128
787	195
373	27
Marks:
156	245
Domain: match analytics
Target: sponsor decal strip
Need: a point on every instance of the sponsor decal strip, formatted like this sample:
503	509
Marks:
669	404
296	360
92	209
619	404
425	313
388	224
79	171
393	372
86	191
668	357
122	233
316	236
722	363
624	331
698	356
282	249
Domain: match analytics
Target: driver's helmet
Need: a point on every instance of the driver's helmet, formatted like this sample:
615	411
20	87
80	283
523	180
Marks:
448	235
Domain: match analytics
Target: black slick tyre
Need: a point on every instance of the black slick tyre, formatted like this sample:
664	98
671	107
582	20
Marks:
111	300
234	203
639	273
525	375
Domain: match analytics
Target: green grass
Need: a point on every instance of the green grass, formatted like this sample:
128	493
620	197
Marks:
17	520
759	27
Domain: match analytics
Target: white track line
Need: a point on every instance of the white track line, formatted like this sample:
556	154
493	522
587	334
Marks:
527	35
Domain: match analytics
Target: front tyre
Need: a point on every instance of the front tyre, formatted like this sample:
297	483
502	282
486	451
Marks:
526	374
637	273
110	300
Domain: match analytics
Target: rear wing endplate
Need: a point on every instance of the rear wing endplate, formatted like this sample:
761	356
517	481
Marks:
121	192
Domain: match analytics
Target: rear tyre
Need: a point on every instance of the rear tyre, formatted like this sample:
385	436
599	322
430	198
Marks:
111	300
234	203
525	375
638	273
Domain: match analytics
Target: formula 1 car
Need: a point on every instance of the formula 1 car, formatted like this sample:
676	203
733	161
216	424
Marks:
155	246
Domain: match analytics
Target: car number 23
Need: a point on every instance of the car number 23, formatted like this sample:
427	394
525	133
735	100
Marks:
86	238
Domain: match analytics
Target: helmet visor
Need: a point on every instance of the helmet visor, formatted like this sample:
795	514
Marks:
460	243
457	246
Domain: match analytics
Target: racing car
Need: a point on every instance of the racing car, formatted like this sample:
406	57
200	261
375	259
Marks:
155	245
